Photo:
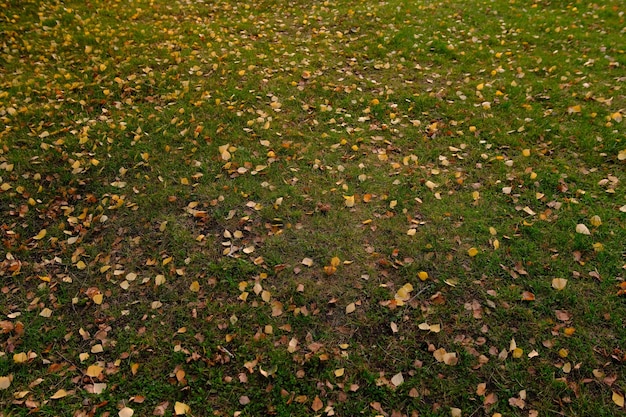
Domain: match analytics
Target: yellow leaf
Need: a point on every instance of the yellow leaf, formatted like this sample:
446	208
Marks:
455	412
59	394
350	308
266	296
618	399
349	200
46	312
596	221
181	408
617	116
621	155
526	152
517	353
472	252
126	412
559	283
5	381
335	261
574	109
42	233
435	328
194	287
134	368
20	357
94	371
98	298
307	262
422	275
339	372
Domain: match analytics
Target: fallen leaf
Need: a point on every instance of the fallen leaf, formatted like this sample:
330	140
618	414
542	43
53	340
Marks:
59	394
559	283
126	412
582	229
472	252
528	296
455	412
5	381
42	233
618	399
94	371
397	379
349	200
181	408
350	308
307	262
317	404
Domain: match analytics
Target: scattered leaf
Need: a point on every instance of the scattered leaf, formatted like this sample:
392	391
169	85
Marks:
559	283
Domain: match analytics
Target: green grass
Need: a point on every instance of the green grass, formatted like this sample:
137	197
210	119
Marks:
176	187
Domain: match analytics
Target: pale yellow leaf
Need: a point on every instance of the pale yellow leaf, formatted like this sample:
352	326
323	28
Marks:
596	221
126	412
582	229
266	296
618	399
559	283
339	372
307	262
424	326
46	312
350	308
98	388
455	412
397	379
349	200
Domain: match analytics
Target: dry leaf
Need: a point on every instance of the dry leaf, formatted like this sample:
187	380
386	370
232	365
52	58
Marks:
181	408
350	308
397	379
618	399
94	371
194	287
582	229
455	412
126	412
5	381
349	200
559	283
528	296
472	252
317	404
307	262
59	394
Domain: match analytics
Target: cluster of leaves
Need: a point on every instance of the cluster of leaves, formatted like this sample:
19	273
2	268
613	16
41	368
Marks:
379	208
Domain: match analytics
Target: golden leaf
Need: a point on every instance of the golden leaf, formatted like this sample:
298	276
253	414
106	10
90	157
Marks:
181	408
42	233
59	394
94	371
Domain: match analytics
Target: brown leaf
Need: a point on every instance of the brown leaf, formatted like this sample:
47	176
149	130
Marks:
317	404
563	315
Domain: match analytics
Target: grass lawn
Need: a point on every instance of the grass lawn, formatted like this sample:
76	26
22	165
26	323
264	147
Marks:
297	208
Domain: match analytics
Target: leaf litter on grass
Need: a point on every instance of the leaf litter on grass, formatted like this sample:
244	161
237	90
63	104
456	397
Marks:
210	209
